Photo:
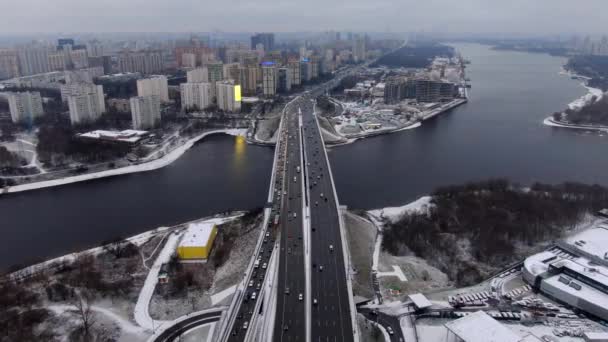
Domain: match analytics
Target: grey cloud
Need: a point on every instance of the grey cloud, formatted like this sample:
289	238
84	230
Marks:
456	16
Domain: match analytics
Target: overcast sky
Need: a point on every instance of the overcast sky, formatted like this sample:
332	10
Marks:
457	16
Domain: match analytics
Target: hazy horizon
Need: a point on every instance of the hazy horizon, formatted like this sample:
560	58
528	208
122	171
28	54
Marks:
516	17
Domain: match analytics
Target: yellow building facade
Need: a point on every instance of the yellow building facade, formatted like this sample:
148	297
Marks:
197	241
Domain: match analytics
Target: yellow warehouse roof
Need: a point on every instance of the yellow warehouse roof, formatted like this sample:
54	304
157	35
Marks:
197	235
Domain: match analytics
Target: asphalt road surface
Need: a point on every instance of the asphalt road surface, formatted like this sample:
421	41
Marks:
256	279
386	321
177	330
290	319
330	315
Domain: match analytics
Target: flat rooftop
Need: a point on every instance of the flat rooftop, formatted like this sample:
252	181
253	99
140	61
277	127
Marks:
197	235
479	327
580	290
128	135
593	241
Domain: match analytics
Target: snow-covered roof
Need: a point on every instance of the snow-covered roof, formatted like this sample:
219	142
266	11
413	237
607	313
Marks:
593	241
128	135
197	235
537	263
595	336
479	327
420	301
579	289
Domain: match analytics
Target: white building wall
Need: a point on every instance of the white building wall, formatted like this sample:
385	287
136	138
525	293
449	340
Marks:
196	94
198	75
145	112
25	107
155	85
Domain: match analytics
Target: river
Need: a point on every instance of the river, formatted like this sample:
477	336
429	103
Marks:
498	133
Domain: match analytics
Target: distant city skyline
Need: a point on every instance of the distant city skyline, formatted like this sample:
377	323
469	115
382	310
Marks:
464	16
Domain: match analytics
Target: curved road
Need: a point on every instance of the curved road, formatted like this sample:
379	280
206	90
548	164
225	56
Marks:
178	329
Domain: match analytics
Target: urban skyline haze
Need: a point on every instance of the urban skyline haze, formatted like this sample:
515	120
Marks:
438	16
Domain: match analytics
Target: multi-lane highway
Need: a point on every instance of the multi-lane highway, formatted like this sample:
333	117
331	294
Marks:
290	315
331	311
255	279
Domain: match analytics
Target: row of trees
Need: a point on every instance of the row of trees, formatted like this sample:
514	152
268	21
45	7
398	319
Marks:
595	67
472	230
414	56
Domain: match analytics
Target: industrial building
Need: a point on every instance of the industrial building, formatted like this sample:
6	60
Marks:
574	272
197	242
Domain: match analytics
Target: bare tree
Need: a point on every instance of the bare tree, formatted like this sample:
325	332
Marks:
85	312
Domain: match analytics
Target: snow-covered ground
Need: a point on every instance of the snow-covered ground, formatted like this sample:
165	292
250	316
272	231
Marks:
393	214
147	166
128	330
221	295
585	99
142	315
397	272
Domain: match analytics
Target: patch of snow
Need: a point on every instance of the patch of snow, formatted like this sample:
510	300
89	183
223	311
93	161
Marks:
219	296
125	324
393	214
550	122
397	272
586	99
141	313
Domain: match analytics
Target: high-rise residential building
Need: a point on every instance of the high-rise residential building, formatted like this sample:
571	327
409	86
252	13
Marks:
145	62
76	88
216	72
63	42
79	58
198	51
57	61
189	60
25	107
9	64
266	39
294	69
284	82
197	75
359	52
231	72
207	57
145	112
228	96
196	95
155	85
249	80
86	104
83	75
95	48
33	60
305	70
315	67
269	79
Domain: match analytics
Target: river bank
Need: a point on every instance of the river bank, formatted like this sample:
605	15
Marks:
146	166
353	137
593	94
